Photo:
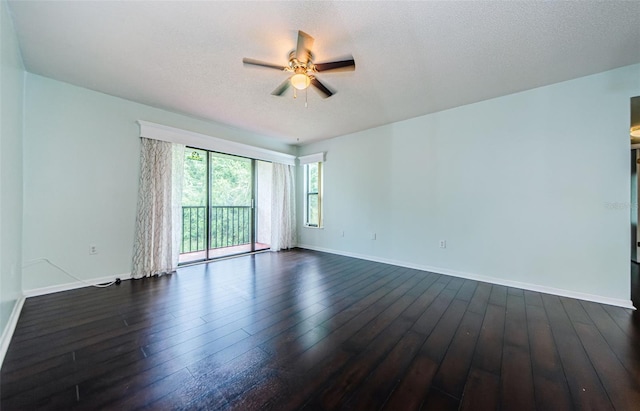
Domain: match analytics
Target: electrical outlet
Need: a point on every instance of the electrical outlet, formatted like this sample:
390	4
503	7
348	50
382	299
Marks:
373	236
443	243
93	249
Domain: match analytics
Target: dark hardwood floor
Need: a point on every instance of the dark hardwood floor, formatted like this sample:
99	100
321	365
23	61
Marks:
314	331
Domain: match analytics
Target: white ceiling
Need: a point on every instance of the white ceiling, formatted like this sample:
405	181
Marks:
412	58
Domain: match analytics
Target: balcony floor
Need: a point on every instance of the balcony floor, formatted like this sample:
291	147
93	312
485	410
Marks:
220	252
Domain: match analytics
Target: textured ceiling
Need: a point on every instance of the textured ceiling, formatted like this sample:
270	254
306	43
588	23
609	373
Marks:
412	58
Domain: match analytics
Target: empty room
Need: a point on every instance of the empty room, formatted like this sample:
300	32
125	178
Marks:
319	205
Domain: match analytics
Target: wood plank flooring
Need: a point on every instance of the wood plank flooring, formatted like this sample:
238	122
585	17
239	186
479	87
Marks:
303	330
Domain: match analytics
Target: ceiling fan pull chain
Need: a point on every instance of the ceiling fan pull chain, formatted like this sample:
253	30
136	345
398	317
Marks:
295	95
305	97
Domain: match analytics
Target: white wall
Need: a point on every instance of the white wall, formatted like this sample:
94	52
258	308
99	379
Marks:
11	112
81	177
525	189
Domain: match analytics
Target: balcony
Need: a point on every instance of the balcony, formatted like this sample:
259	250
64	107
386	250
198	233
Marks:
230	232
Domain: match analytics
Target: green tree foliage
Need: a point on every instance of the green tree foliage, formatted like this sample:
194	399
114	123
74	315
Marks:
194	183
230	179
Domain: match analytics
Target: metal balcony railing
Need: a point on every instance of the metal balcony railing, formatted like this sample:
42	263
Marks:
230	226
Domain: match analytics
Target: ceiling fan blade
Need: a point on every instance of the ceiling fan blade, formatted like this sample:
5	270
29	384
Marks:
282	87
324	91
253	62
343	65
303	49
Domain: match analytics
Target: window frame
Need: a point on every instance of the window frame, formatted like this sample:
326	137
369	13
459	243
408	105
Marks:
308	194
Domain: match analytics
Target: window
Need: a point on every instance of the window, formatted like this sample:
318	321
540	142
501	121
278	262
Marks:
312	188
313	194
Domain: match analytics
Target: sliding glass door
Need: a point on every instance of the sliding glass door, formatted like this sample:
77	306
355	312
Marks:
231	198
224	211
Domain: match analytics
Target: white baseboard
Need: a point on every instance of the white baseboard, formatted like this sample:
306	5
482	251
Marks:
493	280
34	292
7	333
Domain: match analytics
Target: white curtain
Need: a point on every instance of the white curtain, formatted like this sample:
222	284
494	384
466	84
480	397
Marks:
283	207
158	222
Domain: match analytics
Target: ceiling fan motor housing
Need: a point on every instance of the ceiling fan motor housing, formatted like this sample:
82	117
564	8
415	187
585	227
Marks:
298	67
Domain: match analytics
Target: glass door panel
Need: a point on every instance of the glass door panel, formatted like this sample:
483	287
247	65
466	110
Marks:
231	205
194	207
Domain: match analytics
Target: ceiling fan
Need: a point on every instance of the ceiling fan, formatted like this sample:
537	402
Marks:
303	68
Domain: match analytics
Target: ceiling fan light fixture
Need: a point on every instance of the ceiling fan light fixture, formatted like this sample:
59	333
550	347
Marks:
635	131
300	81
